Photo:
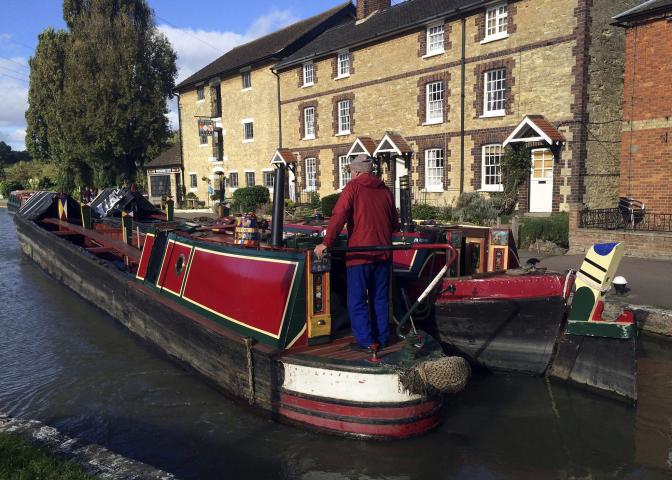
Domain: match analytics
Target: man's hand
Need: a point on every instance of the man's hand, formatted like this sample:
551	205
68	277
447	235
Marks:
319	250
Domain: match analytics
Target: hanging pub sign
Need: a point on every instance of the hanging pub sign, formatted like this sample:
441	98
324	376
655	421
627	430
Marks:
205	127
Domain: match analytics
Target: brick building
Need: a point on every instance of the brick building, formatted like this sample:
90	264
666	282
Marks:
458	79
646	142
228	110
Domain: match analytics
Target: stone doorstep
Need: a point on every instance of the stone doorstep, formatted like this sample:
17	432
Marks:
94	459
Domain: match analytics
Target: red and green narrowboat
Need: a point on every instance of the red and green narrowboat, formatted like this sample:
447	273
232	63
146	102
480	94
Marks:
257	321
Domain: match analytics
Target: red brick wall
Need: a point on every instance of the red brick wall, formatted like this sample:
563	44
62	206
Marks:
646	167
648	63
646	149
637	244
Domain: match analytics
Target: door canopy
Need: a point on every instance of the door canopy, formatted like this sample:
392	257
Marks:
283	156
535	129
393	144
362	146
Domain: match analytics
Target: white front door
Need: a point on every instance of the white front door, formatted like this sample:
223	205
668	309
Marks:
541	181
401	171
292	185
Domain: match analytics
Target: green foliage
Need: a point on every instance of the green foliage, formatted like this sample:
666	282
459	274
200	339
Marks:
20	460
314	200
554	229
249	198
328	203
8	186
516	164
472	207
97	97
424	211
192	196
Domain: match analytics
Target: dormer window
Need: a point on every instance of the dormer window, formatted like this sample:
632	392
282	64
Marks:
343	64
496	23
308	74
435	39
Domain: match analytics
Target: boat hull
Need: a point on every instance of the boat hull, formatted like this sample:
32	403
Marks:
249	372
516	335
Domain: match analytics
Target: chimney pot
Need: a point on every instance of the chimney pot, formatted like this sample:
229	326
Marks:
367	7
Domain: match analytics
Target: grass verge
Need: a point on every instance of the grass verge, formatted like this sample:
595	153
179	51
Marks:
20	460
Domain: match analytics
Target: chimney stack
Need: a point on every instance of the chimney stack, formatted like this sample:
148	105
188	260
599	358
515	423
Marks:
367	7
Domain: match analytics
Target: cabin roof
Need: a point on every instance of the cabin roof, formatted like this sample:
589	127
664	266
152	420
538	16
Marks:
172	157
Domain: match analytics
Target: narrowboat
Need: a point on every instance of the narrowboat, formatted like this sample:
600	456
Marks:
263	323
16	199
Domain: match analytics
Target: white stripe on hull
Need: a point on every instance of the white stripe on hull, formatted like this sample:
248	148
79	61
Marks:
348	386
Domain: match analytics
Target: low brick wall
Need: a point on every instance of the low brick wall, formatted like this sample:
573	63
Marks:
637	244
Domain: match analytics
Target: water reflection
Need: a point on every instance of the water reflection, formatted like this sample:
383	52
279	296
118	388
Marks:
67	364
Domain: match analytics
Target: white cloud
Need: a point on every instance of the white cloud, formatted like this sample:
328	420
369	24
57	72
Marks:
14	102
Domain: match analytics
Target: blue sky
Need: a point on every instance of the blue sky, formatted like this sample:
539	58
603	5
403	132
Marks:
199	32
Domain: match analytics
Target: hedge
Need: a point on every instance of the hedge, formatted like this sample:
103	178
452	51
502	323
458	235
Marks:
249	198
554	229
328	203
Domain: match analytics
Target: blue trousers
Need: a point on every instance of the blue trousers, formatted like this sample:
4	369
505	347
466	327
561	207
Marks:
368	287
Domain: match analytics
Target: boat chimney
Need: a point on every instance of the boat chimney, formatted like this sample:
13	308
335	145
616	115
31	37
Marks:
405	205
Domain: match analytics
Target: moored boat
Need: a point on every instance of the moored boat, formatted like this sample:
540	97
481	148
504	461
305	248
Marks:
255	320
17	198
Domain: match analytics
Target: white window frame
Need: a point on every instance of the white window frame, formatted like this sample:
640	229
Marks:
434	181
192	176
309	126
254	178
343	176
246	74
433	90
200	93
308	66
231	186
343	64
311	174
492	88
496	22
245	122
344	117
488	154
435	32
264	172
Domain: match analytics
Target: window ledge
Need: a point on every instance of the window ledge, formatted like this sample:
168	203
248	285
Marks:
433	54
193	189
202	145
434	189
491	188
200	101
307	85
432	122
309	137
497	113
248	140
341	77
246	89
494	38
342	134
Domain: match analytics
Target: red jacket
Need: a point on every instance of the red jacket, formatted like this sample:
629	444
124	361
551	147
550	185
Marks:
366	206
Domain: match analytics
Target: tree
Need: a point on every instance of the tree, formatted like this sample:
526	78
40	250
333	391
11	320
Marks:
4	155
120	71
98	91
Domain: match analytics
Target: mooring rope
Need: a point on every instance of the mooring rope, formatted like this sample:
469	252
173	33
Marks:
249	341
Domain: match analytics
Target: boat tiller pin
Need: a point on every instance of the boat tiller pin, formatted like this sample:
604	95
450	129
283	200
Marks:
420	299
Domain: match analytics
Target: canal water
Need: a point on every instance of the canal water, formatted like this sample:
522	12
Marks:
67	364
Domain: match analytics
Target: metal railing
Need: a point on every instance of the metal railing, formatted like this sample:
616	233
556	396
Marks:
615	219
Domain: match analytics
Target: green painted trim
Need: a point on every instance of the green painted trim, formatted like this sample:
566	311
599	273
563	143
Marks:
601	329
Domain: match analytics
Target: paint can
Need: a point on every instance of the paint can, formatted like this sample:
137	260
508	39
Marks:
247	230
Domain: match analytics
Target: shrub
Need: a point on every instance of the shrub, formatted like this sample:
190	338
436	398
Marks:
249	198
192	196
553	229
9	186
314	200
474	208
424	211
328	203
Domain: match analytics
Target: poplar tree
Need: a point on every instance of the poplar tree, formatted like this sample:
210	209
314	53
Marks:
106	117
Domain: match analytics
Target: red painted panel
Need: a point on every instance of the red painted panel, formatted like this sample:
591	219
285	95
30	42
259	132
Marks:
249	290
372	413
402	259
387	430
171	278
500	286
146	254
